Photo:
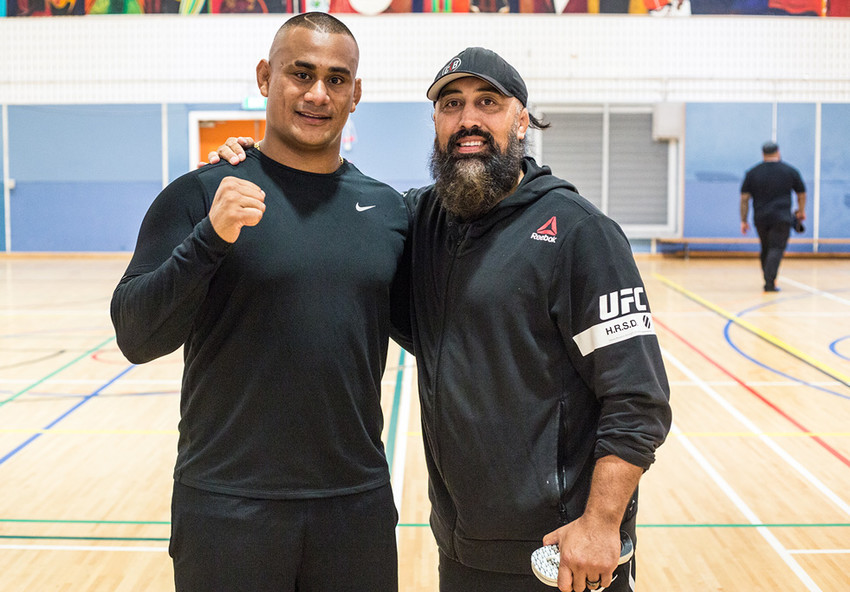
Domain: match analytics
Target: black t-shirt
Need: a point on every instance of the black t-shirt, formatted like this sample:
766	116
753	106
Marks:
285	330
770	184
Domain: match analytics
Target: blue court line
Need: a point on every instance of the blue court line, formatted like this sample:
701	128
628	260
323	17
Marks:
833	347
85	400
731	344
57	371
393	427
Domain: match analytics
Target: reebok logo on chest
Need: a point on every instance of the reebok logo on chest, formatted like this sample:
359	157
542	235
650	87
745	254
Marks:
548	232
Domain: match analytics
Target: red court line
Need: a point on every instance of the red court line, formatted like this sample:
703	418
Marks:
756	394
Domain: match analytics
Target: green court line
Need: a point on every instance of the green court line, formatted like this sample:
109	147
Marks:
403	525
55	372
391	431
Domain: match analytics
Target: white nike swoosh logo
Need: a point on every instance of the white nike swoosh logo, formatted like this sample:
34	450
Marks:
360	208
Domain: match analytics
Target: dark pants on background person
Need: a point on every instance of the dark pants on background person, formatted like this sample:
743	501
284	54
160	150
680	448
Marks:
774	239
223	543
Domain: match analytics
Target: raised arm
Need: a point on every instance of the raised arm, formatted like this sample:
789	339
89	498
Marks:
178	251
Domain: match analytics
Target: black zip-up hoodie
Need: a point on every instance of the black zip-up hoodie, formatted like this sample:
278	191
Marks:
536	356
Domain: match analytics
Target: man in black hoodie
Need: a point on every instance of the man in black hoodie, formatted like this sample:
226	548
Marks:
541	382
542	389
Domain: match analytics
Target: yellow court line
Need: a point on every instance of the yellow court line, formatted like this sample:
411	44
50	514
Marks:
87	432
845	380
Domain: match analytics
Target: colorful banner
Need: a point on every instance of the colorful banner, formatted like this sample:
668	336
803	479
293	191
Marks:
370	7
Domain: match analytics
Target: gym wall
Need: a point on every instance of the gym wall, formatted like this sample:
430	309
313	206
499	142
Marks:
95	110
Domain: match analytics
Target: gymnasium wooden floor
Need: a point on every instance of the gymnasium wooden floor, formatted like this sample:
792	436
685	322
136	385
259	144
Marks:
750	492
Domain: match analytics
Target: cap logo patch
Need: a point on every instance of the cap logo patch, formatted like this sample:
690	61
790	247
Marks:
451	66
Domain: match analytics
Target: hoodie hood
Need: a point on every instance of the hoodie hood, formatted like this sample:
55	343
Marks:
537	182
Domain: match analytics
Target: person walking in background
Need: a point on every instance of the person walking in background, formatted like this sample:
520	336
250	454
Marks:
769	184
281	482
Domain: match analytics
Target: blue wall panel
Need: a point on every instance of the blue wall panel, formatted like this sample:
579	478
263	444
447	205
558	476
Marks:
796	126
70	216
2	194
85	143
722	140
835	172
82	175
393	142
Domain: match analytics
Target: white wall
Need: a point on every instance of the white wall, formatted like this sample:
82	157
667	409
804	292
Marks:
565	59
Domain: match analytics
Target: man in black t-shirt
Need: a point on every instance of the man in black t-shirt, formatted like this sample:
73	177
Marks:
281	481
769	184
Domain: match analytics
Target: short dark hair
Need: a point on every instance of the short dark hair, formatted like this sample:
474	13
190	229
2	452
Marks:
770	148
318	21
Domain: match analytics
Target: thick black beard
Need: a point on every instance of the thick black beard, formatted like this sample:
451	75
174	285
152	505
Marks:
469	186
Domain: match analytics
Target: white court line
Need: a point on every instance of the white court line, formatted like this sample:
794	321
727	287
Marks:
771	314
401	435
812	290
783	553
797	314
820	552
166	381
767	440
83	548
776	383
44	313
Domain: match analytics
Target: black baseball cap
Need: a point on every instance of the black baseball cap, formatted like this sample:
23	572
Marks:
486	65
769	148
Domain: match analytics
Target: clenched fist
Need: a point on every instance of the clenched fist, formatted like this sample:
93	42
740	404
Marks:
237	203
